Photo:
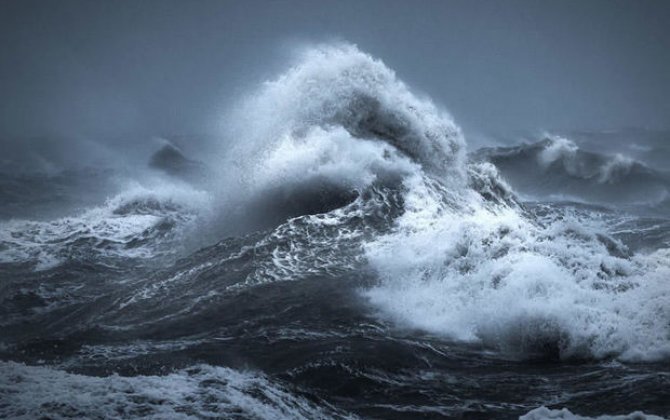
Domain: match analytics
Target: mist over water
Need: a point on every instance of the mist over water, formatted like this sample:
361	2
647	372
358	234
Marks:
342	254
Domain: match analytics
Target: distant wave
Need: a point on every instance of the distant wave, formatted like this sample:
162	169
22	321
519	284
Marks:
171	160
138	223
556	167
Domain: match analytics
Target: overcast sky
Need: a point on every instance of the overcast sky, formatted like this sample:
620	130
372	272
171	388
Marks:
118	68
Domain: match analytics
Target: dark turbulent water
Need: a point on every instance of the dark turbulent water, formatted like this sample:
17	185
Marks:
347	259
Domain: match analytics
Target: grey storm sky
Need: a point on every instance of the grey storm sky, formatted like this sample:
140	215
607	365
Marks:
113	68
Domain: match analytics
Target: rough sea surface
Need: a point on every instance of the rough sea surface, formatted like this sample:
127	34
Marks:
348	257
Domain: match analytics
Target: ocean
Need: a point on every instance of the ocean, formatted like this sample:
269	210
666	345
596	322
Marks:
348	256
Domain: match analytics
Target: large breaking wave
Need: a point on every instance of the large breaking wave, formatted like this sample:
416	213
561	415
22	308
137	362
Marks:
462	258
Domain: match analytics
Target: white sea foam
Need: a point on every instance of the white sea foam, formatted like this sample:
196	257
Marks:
202	391
331	155
492	274
544	413
615	168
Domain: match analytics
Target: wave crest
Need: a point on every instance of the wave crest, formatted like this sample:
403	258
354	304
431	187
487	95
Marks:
337	91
